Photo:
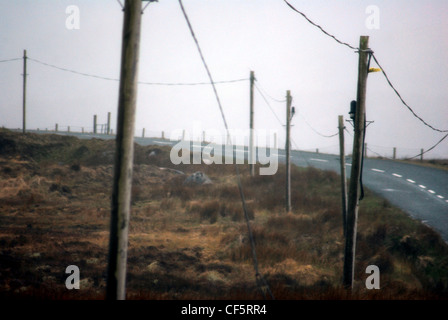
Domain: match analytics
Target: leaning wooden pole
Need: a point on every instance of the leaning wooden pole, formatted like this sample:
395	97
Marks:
343	173
24	92
354	188
288	151
251	124
124	152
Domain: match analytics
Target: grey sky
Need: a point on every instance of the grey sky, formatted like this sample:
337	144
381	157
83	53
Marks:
236	36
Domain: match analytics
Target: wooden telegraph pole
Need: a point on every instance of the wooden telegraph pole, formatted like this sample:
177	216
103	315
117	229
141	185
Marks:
124	153
354	189
24	91
94	124
343	173
251	138
288	149
108	123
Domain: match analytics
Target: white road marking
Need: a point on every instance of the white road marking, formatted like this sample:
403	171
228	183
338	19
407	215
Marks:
378	170
348	164
320	160
423	187
397	175
165	143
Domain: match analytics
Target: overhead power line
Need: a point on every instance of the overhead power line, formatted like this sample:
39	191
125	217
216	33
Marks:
8	60
321	29
268	95
376	60
192	83
72	71
402	100
268	104
409	158
258	276
140	82
312	128
422	153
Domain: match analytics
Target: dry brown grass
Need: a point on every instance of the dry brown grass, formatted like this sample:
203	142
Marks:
189	242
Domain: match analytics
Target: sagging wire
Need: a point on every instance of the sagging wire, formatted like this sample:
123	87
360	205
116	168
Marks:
402	100
8	60
260	279
321	29
140	82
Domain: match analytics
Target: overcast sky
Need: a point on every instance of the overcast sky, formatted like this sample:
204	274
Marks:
409	38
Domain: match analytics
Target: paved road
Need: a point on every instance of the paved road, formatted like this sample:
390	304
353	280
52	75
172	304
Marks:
420	191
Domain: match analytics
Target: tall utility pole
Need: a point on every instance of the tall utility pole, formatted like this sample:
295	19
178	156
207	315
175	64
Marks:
343	173
124	152
108	123
94	123
24	90
354	189
288	149
251	138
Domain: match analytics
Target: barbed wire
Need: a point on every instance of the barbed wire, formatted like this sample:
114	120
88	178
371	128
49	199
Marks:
261	282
